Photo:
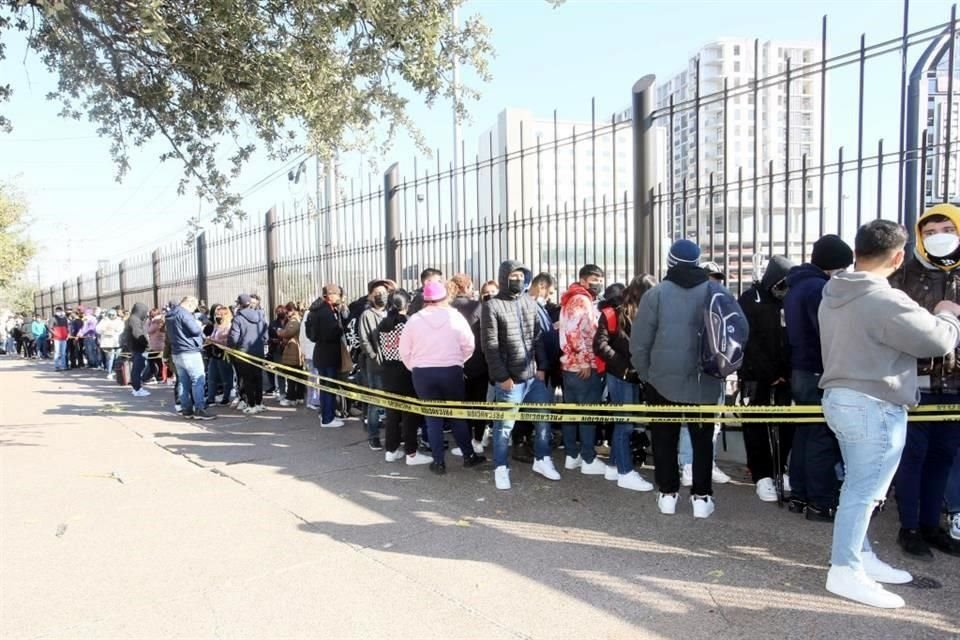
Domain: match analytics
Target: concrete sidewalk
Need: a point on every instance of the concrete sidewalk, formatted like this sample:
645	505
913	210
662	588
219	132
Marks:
120	520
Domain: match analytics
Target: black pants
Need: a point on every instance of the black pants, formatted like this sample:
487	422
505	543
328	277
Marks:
251	388
477	392
816	453
295	389
400	424
666	439
756	435
74	354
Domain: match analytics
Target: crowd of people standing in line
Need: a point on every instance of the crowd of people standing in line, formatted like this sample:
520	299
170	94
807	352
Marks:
865	343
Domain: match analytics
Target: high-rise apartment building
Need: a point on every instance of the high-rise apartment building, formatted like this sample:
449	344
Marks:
938	181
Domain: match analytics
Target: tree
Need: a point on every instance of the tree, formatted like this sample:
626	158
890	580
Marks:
200	74
16	250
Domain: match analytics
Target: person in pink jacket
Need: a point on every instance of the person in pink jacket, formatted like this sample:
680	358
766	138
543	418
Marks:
434	345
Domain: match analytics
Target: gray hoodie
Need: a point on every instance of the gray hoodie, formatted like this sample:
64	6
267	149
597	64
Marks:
872	334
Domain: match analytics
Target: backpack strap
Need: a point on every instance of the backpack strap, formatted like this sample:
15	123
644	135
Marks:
611	317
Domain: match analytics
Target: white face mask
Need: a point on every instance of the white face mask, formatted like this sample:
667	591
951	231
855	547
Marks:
940	245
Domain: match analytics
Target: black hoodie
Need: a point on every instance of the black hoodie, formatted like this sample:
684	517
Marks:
510	331
133	337
767	354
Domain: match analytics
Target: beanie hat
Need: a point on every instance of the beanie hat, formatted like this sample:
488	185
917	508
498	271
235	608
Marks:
244	300
683	251
434	291
831	252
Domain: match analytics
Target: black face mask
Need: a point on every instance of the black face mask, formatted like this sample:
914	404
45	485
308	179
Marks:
486	296
218	320
515	286
596	288
380	299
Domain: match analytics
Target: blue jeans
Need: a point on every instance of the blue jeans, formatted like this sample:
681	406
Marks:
577	391
686	445
374	380
110	356
136	371
60	354
219	372
623	392
190	380
533	391
952	495
328	401
313	395
871	434
91	352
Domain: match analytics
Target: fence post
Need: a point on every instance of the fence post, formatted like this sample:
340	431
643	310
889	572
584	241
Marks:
155	263
122	274
269	232
203	292
79	291
63	294
644	157
391	226
97	279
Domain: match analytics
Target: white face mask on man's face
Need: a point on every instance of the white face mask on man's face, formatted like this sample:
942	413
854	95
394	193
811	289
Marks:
940	245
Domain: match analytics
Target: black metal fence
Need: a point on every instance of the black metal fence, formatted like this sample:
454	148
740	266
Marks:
747	151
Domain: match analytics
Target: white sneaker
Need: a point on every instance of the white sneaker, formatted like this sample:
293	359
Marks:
287	403
766	490
393	456
573	463
501	477
250	411
686	475
596	468
667	503
260	408
110	376
418	459
703	506
177	408
477	447
456	451
487	437
218	398
786	483
955	526
878	570
719	476
313	407
855	585
241	406
143	393
333	424
633	481
235	403
544	466
610	473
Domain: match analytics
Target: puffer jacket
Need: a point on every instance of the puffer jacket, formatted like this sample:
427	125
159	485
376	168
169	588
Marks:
927	286
767	354
510	331
290	335
248	332
665	343
800	308
155	329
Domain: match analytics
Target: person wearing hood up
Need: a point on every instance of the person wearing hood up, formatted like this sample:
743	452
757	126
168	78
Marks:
765	375
815	455
930	275
378	294
434	345
109	330
185	335
134	339
512	342
872	336
582	370
61	333
248	333
665	351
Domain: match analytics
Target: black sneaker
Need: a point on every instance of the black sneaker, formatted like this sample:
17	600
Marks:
438	468
374	443
186	415
940	540
201	414
797	506
818	514
913	544
473	460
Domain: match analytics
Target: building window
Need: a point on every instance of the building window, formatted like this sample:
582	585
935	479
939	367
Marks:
736	66
736	49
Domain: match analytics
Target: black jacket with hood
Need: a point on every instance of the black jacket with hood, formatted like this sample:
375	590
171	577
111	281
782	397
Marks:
510	331
476	366
767	354
614	347
325	326
248	332
134	337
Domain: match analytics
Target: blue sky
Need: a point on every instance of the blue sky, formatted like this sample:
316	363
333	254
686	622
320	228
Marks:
546	59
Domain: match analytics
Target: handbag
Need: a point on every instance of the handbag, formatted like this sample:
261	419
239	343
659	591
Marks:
346	362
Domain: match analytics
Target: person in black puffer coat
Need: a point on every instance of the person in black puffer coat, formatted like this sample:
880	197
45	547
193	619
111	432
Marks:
765	375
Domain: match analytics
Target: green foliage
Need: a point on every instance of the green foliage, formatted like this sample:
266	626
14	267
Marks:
18	296
211	76
15	249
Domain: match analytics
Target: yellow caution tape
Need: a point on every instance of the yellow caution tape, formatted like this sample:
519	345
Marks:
566	412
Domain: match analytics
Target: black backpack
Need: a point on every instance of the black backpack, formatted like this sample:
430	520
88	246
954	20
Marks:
724	334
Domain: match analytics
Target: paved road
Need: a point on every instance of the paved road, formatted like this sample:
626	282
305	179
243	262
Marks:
118	520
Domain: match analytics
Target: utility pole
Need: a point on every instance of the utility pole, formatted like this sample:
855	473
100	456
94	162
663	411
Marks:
457	143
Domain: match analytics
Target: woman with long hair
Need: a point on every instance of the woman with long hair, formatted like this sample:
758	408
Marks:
219	367
290	356
612	345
